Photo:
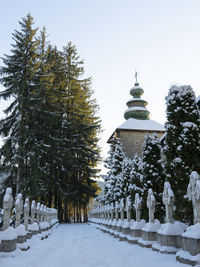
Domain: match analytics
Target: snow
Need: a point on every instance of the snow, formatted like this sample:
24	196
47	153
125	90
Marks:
186	255
189	124
134	124
198	99
33	227
82	245
135	108
176	228
126	224
20	230
151	227
193	231
138	225
44	225
135	99
168	249
8	234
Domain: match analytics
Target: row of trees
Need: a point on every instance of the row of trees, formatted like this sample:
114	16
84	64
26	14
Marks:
127	177
181	147
51	128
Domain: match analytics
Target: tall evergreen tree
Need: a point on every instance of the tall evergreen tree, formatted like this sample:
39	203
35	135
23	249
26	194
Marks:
182	145
153	176
20	80
114	178
51	128
84	125
136	175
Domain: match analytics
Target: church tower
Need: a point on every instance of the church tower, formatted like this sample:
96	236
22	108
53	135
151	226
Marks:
137	124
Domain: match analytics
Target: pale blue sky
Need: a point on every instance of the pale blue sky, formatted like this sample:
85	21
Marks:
159	38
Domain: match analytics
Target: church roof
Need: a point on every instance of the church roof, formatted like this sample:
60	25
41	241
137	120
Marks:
134	124
140	125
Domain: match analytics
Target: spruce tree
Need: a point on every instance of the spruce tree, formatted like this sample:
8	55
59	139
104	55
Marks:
20	80
181	145
136	179
82	133
114	180
125	178
153	176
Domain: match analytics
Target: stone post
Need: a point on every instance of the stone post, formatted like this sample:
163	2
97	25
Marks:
7	206
33	212
151	202
44	213
112	211
116	210
168	201
38	212
128	209
18	209
41	213
193	194
122	209
138	207
26	213
108	212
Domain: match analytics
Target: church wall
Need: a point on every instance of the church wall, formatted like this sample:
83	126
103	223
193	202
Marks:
133	141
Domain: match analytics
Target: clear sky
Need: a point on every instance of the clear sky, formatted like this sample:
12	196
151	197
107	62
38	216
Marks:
159	38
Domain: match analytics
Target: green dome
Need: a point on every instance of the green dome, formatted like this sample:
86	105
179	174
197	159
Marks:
136	91
137	114
137	106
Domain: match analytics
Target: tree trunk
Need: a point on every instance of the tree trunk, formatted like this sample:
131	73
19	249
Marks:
49	199
74	212
66	218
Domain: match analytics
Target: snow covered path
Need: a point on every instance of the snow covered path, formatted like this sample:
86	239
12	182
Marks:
82	245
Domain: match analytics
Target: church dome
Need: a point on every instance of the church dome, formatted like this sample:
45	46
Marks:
137	105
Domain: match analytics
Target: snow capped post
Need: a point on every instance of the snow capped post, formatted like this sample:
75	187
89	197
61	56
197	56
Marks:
122	209
168	201
26	213
38	212
128	209
116	210
193	194
41	213
33	212
7	205
45	213
18	209
108	212
112	211
151	202
138	206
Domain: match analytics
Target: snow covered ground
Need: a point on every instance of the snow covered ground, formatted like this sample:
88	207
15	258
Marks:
81	245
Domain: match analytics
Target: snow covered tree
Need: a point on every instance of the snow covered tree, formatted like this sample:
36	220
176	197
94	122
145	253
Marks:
136	178
114	177
126	177
182	144
153	176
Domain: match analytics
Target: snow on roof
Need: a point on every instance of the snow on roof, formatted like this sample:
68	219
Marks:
198	98
134	124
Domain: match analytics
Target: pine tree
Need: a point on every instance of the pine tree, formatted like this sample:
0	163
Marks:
153	176
19	77
82	131
181	144
136	176
51	128
125	178
114	162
